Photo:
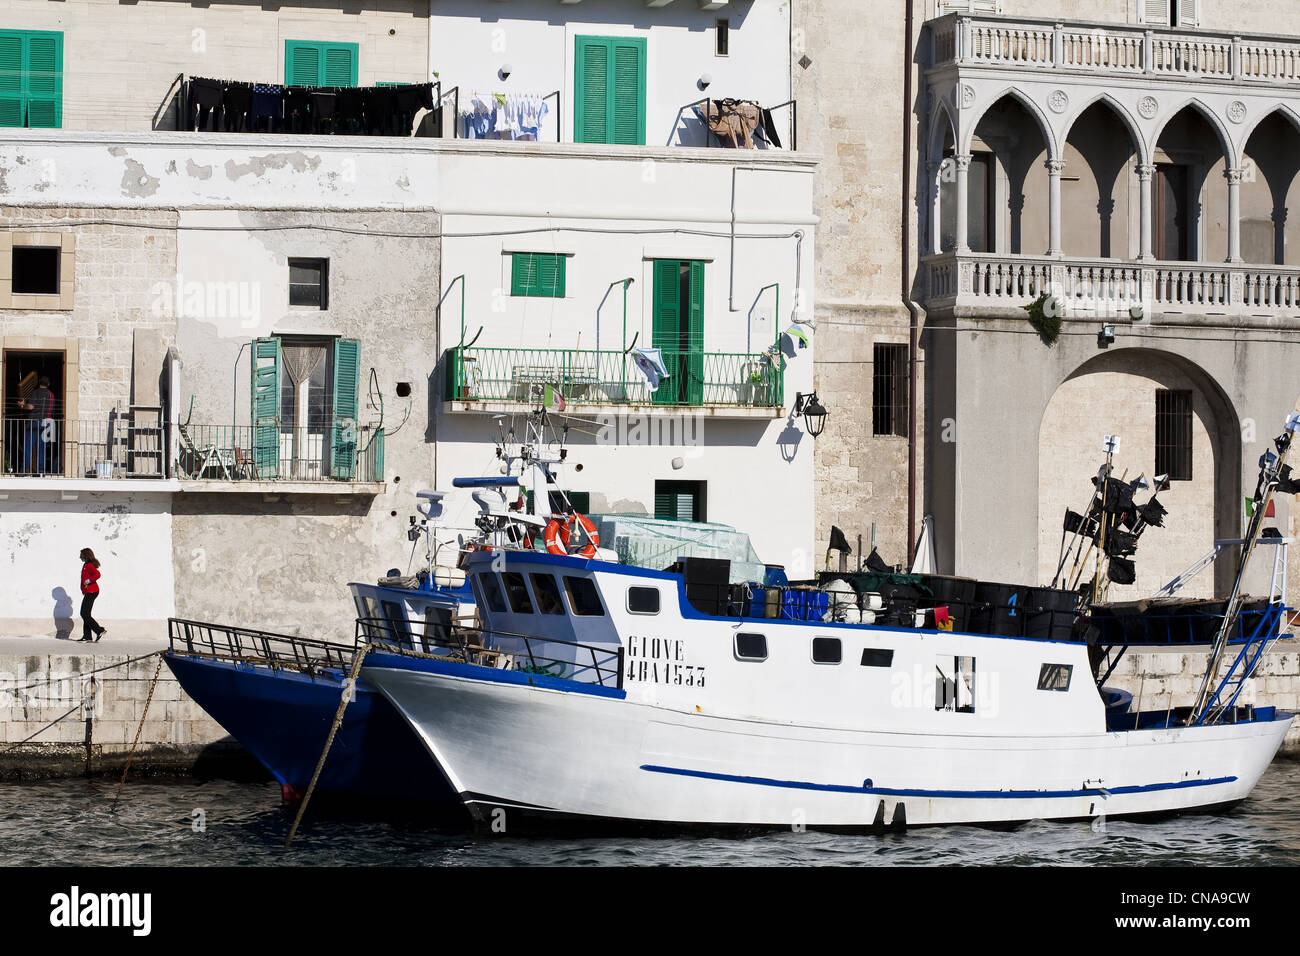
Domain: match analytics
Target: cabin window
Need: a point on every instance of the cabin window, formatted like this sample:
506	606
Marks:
954	684
751	647
1055	676
583	599
492	592
643	600
396	619
877	657
517	591
548	594
826	650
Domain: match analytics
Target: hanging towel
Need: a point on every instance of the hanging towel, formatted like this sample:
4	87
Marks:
268	104
650	362
206	97
238	100
799	335
769	129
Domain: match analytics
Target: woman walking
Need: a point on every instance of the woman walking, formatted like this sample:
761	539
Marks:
89	591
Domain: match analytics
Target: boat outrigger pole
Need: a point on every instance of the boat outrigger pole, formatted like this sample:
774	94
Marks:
1272	469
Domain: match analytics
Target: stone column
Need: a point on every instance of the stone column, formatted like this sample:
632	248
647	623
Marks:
935	238
1233	176
962	162
1279	235
1145	209
1054	167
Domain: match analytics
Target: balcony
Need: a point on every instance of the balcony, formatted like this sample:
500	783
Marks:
1155	54
728	384
983	284
111	454
271	459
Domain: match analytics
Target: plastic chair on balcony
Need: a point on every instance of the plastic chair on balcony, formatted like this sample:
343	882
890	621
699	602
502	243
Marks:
202	458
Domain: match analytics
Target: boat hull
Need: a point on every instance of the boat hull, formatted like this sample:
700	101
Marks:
514	749
283	717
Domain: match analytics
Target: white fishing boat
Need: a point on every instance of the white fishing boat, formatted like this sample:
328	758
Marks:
610	693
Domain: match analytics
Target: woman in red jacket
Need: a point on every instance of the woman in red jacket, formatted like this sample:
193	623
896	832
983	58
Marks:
89	591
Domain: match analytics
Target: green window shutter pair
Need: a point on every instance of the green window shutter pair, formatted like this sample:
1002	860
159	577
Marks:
609	90
676	501
537	274
31	79
679	331
265	407
312	63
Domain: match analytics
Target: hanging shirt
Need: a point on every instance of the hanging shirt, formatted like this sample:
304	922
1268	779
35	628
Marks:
651	364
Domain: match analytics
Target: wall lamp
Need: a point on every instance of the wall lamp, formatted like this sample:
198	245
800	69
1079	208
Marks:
813	412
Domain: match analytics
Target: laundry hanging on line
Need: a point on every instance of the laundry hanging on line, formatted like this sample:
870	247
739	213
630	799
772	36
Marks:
504	116
650	362
215	104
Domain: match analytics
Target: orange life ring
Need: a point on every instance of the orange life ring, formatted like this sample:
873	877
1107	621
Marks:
557	536
593	536
559	532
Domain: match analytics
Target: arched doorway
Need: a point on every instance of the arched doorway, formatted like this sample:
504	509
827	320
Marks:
1148	398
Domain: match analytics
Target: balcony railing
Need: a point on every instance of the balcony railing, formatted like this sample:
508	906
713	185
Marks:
1051	45
68	448
1114	287
274	452
586	377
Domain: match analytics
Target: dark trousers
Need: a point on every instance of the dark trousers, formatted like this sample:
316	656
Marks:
88	623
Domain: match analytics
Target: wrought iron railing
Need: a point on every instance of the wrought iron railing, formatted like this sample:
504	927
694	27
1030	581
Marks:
529	654
246	645
70	448
274	452
587	377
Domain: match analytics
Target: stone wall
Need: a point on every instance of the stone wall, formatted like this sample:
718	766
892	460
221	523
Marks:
1172	679
121	61
851	114
36	690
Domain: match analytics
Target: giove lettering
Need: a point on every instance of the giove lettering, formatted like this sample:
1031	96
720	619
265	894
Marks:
686	431
76	909
208	300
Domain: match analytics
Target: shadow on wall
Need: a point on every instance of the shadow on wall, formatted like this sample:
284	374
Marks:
62	614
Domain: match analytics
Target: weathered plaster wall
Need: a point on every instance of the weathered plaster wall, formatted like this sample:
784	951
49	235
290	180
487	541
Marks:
121	61
283	564
41	535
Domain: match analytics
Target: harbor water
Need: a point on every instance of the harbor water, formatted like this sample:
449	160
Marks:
185	822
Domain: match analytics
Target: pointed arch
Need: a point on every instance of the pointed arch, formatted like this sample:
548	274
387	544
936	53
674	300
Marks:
940	114
1034	110
1225	140
1143	150
1284	109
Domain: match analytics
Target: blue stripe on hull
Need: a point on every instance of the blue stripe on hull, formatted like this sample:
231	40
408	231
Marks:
283	718
868	788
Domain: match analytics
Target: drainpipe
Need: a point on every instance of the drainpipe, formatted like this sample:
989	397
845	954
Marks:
914	324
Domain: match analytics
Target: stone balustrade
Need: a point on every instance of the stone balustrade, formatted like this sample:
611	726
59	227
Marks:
1112	287
1018	43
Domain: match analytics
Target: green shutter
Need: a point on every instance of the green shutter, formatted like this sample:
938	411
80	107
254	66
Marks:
537	274
341	65
312	63
627	110
694	345
665	506
31	79
667	330
377	457
11	79
265	406
343	436
609	90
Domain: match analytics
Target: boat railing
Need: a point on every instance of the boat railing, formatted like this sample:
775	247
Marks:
247	645
524	653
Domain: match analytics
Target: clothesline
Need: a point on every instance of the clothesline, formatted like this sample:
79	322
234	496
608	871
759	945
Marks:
504	115
236	106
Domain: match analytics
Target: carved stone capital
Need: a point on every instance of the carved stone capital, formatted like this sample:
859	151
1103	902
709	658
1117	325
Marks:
963	161
1054	166
1145	171
1233	176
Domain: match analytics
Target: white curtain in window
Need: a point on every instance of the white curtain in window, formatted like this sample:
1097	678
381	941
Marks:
301	362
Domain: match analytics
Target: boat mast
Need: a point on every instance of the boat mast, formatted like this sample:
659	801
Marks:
1270	470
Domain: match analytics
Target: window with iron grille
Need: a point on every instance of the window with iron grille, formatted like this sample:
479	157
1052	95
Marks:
889	390
1174	434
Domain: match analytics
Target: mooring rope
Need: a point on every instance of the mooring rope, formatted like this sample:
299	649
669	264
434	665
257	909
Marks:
97	670
138	729
349	692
